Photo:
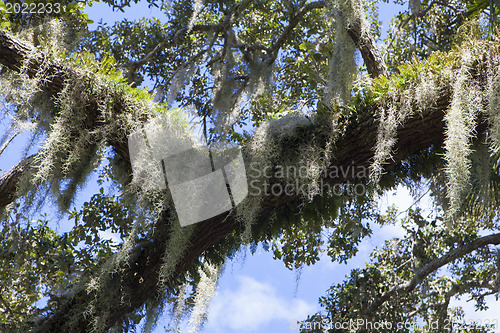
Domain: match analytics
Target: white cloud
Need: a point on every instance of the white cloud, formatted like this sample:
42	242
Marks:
252	305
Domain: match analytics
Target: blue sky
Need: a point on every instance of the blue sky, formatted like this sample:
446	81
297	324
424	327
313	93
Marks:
255	292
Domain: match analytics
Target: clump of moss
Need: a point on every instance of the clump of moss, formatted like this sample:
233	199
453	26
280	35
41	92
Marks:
342	65
466	105
205	291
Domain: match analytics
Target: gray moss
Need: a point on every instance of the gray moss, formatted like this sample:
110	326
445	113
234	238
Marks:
342	65
466	105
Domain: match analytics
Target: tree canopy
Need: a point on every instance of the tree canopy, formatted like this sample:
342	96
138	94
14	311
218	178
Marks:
328	117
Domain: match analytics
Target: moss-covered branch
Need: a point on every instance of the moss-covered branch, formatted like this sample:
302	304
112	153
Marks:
136	279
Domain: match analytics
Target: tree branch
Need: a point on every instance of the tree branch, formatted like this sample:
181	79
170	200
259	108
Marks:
366	44
8	141
10	179
363	40
273	50
139	276
135	65
13	53
229	18
433	266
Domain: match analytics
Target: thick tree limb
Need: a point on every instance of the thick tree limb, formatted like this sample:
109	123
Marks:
10	179
13	52
366	44
139	276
